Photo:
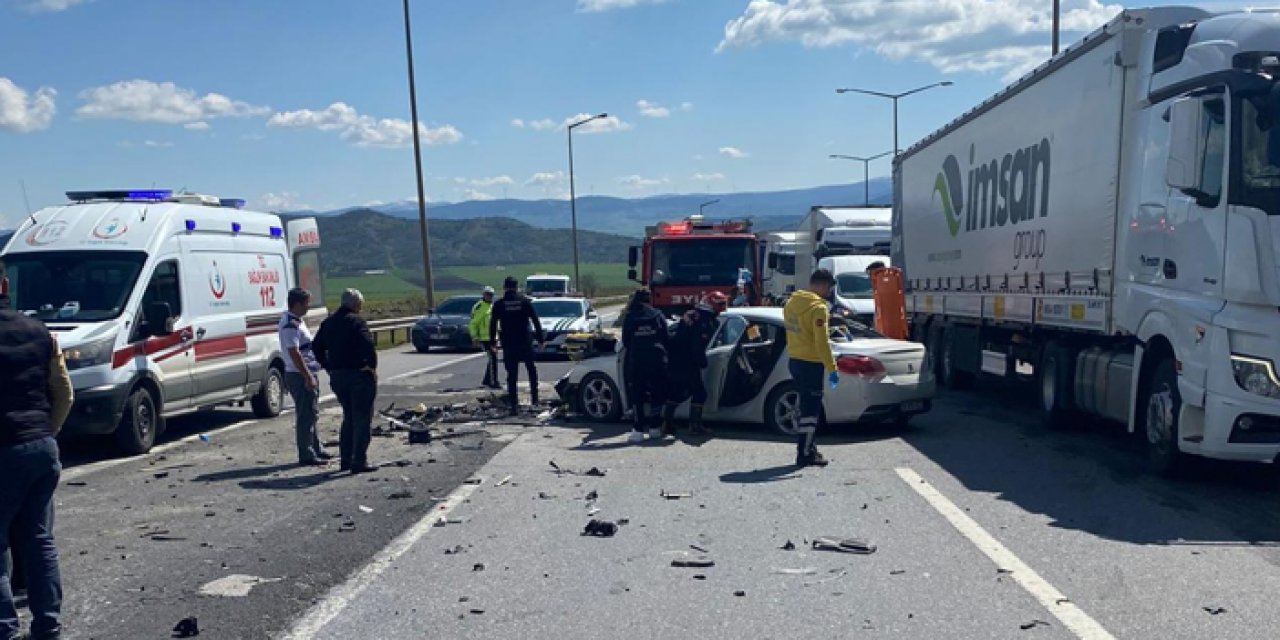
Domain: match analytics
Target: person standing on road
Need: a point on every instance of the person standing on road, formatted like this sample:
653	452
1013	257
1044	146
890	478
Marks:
688	360
808	342
345	348
36	401
301	371
512	317
481	315
645	337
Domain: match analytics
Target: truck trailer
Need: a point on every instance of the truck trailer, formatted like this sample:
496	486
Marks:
1111	220
840	231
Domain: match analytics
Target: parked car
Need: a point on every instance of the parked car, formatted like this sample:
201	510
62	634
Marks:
881	379
446	326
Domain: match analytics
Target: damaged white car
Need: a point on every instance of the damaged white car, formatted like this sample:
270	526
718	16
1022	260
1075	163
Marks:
747	378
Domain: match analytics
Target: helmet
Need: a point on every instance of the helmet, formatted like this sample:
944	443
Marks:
488	290
718	300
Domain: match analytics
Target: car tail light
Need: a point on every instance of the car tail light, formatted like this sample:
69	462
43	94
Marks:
862	366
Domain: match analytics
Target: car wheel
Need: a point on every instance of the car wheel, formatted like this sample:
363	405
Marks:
599	399
269	401
421	348
1161	406
782	409
138	427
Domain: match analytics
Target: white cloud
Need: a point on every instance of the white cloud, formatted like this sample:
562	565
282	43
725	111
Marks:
651	110
283	201
707	177
23	112
157	144
605	5
51	6
517	123
545	179
686	106
545	124
479	196
494	181
639	182
200	125
733	153
362	130
953	35
164	102
607	124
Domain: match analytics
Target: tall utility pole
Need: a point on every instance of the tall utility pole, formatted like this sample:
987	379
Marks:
573	196
417	162
1057	15
866	172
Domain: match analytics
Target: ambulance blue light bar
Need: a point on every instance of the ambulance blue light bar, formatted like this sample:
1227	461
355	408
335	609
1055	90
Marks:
277	232
144	195
231	203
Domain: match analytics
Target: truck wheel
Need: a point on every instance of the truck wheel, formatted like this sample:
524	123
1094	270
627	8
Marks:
138	426
269	401
953	378
933	351
782	409
1054	382
598	398
1161	404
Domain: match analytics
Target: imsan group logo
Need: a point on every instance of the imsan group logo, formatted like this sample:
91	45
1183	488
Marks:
1003	191
218	286
48	233
110	228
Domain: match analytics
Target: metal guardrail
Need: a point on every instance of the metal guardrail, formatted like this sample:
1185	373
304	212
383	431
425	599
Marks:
392	325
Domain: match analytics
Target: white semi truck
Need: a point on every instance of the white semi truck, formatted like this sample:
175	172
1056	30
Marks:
840	231
1113	219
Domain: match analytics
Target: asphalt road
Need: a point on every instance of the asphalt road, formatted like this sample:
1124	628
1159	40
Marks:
984	523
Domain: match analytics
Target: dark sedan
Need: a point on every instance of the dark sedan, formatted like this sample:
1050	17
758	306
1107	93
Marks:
446	326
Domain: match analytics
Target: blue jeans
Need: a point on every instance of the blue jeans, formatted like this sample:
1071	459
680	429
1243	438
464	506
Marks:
28	477
808	378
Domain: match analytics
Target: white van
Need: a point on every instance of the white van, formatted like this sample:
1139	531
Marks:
162	303
543	285
853	284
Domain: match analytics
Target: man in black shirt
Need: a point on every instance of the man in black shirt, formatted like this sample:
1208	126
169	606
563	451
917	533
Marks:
345	348
512	317
644	340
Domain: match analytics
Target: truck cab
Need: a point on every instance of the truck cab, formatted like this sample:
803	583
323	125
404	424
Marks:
685	261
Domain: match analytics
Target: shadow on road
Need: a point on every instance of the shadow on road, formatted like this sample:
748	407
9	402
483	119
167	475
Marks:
86	449
244	473
760	476
1092	478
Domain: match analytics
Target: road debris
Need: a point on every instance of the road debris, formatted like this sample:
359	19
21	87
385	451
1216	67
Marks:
674	496
400	495
698	548
807	571
349	525
503	481
1214	611
593	496
740	593
187	628
455	550
600	529
203	438
693	562
477	567
364	509
1033	624
473	481
789	546
235	585
844	545
594	472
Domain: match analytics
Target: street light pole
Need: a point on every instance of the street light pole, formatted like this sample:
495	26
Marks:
706	204
895	97
1057	16
417	162
573	196
866	172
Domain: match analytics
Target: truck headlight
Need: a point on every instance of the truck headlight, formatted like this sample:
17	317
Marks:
1256	375
90	354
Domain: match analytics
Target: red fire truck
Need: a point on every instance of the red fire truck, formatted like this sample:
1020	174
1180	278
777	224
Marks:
686	260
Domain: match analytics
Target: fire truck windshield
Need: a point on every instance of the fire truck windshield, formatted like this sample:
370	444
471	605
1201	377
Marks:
701	261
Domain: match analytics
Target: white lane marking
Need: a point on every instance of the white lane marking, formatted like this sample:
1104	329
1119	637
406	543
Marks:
85	469
1072	617
339	597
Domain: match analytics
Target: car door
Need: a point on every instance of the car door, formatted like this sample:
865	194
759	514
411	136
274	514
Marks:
171	355
218	279
720	352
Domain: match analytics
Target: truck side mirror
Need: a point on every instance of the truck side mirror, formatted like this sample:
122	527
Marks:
159	319
773	260
1184	167
633	256
631	274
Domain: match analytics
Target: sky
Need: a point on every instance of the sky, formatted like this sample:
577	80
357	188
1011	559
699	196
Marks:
296	105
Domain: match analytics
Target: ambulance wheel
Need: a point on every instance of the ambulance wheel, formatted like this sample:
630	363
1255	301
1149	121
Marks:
269	401
140	423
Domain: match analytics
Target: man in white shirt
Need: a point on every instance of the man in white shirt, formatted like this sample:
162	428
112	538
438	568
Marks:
301	370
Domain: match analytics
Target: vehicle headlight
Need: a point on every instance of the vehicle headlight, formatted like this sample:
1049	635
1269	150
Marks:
1256	375
90	354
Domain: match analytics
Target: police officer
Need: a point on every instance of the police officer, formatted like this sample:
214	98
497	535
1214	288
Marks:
687	360
512	317
644	337
809	345
481	314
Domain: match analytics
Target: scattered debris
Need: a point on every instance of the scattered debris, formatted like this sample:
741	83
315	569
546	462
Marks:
400	495
789	546
77	483
479	566
234	586
503	481
698	548
593	510
844	545
543	495
594	472
160	475
593	496
187	628
740	593
693	562
447	521
1033	624
674	496
1215	611
807	571
477	612
203	438
365	509
600	529
455	550
473	481
898	572
349	525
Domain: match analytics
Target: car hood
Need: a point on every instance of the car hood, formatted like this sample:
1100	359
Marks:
858	305
445	320
562	324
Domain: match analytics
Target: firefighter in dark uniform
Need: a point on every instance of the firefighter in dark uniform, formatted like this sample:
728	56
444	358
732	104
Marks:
512	316
645	337
688	359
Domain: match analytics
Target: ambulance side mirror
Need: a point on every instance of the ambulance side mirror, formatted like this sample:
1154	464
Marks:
159	319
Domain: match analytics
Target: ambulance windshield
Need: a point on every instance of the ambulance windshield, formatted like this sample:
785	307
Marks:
72	286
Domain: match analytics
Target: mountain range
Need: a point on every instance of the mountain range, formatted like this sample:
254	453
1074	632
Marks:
770	211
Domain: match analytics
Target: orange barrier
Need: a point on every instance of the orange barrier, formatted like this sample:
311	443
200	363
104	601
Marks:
891	302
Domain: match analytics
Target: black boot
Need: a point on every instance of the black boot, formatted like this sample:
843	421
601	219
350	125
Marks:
695	421
669	419
807	454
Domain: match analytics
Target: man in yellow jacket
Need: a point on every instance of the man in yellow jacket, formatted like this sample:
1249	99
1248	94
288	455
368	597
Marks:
809	346
479	329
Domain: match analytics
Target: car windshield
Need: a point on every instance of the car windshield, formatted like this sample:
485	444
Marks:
72	286
854	285
545	286
456	307
557	308
701	262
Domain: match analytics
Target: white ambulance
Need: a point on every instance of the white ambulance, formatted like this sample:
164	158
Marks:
162	303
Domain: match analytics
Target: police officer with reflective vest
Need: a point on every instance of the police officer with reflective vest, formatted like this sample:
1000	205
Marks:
512	317
645	337
687	360
481	314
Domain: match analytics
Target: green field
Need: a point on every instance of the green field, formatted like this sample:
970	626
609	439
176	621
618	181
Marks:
610	278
